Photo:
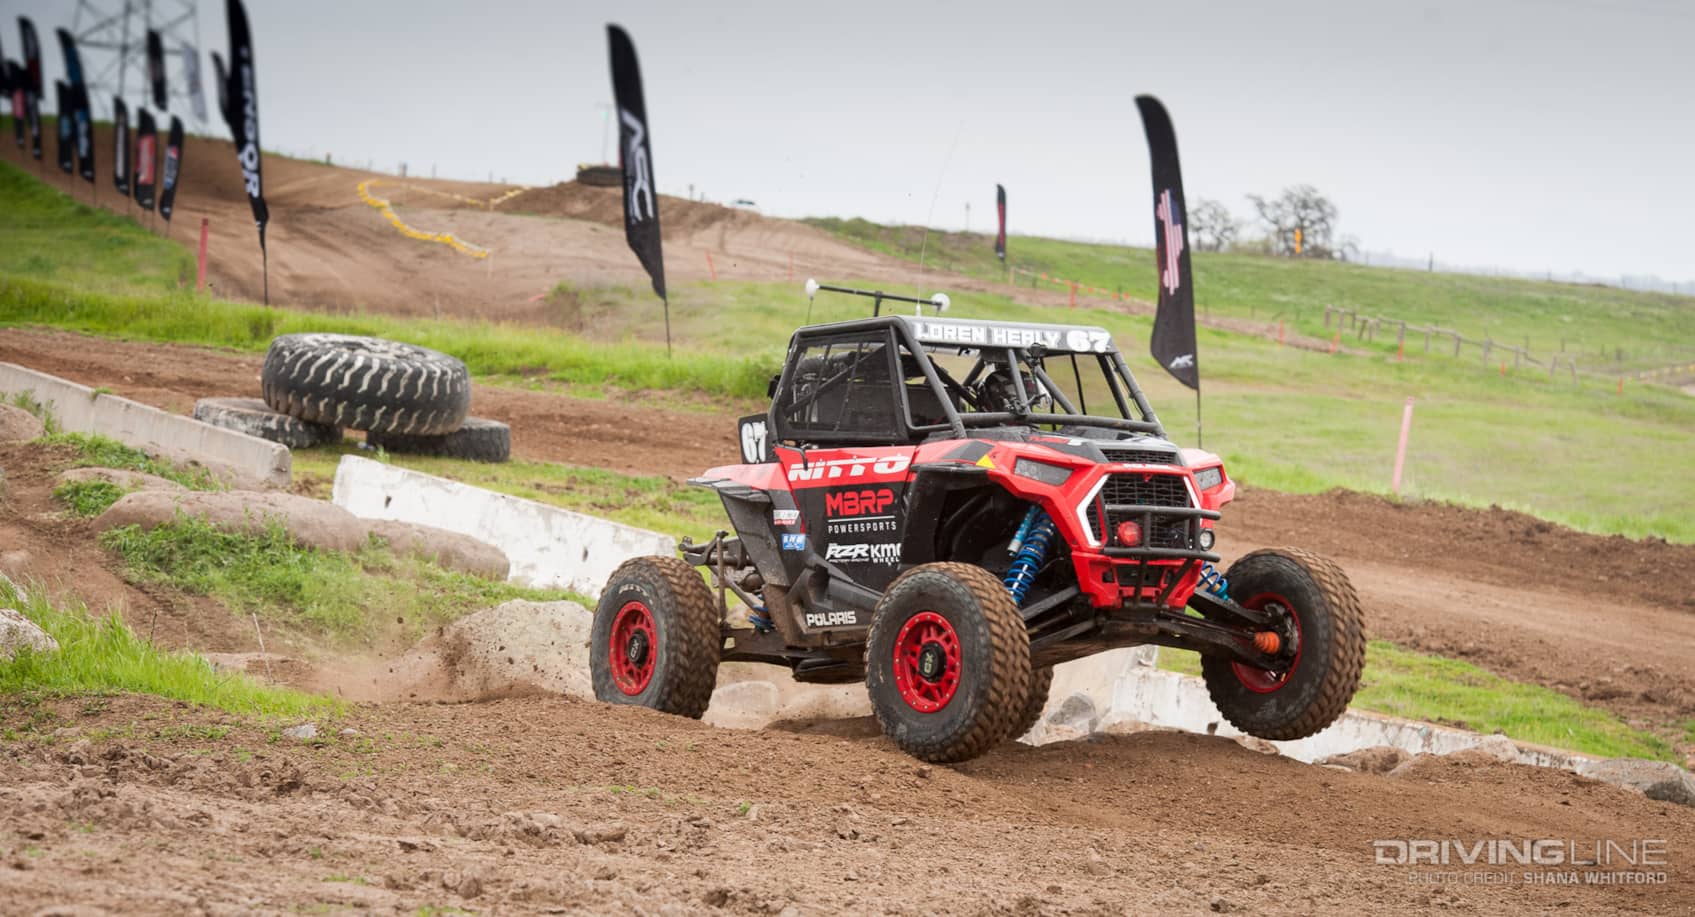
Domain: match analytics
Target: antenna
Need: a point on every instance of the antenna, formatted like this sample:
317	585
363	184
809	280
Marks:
112	38
938	301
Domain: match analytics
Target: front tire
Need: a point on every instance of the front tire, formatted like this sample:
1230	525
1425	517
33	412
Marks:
1321	615
947	662
656	639
1040	681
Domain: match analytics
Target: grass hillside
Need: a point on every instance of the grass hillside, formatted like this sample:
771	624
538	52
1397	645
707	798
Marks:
1595	325
1282	417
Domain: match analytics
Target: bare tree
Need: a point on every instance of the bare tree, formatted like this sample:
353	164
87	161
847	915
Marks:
1212	227
1302	208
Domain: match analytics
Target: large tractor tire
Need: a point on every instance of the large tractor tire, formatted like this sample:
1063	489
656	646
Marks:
1040	681
655	641
255	418
1320	616
476	440
365	384
947	662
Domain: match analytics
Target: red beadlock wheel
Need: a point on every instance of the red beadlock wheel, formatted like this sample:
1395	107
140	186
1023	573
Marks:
633	648
927	662
1265	681
947	662
656	640
1318	610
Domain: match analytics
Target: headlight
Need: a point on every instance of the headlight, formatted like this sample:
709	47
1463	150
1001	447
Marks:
1046	472
1206	539
1208	478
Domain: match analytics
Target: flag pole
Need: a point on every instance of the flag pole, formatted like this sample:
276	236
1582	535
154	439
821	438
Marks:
667	301
1199	443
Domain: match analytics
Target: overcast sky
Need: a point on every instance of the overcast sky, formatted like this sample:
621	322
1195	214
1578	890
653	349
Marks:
1528	135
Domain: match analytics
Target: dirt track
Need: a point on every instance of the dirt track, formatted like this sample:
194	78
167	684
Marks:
1519	596
414	811
554	805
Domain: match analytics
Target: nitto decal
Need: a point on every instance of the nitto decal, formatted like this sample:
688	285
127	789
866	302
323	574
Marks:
865	553
834	469
872	501
794	542
785	516
832	619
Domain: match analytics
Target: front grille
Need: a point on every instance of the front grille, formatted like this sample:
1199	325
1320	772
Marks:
1139	456
1139	489
1136	488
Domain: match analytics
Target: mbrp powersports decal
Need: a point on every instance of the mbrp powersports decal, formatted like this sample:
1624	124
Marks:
857	510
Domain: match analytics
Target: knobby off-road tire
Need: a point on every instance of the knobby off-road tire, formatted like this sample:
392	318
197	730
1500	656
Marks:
947	662
365	384
1040	681
476	440
655	641
255	418
1331	647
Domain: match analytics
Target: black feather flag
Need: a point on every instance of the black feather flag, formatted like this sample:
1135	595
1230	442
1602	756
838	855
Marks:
241	111
20	99
221	80
82	118
120	146
146	158
33	85
173	171
156	68
1000	211
67	127
635	158
1173	339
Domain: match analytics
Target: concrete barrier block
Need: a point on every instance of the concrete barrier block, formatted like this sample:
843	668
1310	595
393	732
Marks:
549	547
240	459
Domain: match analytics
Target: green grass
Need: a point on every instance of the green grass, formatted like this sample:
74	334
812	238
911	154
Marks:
103	656
88	498
1436	689
345	597
1595	323
92	451
649	502
1282	417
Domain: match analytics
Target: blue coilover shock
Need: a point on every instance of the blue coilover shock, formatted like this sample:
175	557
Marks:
1214	582
1030	550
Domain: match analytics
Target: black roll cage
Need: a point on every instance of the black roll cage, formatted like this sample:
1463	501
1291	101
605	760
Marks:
1126	393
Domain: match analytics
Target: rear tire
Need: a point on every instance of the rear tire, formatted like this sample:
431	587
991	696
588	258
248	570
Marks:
364	383
947	662
1327	624
656	641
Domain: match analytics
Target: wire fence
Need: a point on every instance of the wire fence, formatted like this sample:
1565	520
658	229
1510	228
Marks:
1493	353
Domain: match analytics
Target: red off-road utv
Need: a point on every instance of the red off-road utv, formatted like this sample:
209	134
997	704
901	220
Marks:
947	508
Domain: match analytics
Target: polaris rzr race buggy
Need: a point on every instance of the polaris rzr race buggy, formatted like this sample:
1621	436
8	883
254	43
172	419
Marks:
947	508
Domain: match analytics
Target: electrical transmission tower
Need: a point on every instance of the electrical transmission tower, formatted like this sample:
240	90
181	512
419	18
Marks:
112	36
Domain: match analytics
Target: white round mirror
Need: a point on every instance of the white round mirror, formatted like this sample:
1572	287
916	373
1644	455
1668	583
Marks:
811	288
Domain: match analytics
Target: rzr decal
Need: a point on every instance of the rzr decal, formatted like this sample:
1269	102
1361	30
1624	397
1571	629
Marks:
864	553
